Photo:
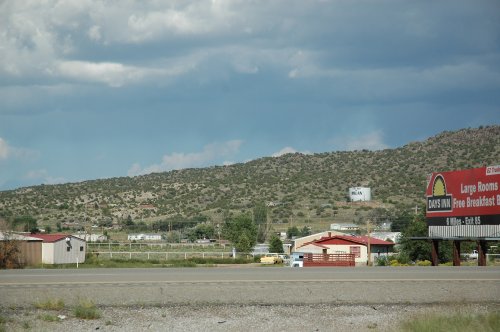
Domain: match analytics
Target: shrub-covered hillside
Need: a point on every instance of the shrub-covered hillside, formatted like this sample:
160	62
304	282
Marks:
297	188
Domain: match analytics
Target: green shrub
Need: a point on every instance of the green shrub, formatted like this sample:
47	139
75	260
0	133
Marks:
86	310
48	318
382	261
54	304
394	262
403	258
424	263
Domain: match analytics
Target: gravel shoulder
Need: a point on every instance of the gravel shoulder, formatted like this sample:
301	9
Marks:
321	317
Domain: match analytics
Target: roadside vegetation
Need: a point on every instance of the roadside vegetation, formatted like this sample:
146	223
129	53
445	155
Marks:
155	263
458	322
86	310
50	304
3	321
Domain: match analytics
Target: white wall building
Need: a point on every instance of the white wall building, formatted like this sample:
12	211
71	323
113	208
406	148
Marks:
91	237
61	248
144	237
344	227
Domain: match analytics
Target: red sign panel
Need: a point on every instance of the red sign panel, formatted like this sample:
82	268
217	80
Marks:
467	197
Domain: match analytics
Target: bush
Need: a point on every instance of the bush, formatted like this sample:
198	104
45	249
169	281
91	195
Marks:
9	255
48	318
424	263
50	304
87	310
382	261
403	258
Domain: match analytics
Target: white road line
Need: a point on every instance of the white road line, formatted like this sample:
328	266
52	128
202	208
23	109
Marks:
242	281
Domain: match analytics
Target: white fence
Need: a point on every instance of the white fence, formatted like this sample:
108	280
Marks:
96	246
160	255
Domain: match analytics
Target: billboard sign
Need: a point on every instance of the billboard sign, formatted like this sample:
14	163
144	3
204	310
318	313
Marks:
464	198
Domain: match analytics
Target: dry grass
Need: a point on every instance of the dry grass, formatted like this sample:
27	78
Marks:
87	310
50	304
457	322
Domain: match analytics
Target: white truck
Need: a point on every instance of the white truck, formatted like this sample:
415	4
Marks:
297	259
473	255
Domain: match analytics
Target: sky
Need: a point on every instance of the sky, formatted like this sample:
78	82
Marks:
99	89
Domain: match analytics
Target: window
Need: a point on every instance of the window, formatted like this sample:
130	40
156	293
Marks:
68	248
81	248
356	251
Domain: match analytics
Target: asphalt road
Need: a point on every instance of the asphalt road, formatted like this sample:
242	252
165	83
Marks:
253	285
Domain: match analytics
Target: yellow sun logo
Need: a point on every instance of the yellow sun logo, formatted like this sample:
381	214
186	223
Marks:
439	188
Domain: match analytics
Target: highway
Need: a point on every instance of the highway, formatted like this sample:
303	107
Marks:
253	285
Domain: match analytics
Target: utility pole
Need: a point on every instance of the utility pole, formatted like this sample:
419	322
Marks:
369	249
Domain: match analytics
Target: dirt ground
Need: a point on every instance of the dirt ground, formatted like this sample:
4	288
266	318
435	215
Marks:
321	317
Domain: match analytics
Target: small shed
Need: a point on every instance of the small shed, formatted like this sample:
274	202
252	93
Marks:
30	248
62	248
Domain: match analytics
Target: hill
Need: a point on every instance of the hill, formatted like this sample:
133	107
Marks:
303	189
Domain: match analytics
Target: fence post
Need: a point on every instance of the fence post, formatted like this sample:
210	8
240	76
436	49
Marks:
185	255
148	255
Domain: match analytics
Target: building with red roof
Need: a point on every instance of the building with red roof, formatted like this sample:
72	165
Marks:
348	244
61	248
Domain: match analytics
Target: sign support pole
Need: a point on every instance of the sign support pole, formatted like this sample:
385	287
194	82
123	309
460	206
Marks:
435	253
481	253
456	253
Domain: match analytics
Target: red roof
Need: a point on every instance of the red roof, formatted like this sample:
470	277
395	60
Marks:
345	239
51	237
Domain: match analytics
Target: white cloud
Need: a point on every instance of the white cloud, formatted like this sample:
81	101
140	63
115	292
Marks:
43	176
370	141
7	151
287	150
176	160
113	74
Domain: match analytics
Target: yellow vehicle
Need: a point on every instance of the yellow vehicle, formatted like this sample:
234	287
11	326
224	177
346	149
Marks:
271	259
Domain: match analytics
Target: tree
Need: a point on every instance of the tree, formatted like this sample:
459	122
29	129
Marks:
260	219
129	221
421	250
305	231
242	232
402	221
9	253
28	223
200	231
292	232
260	214
275	244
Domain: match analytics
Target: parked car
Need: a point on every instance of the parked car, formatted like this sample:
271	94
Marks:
285	259
271	259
